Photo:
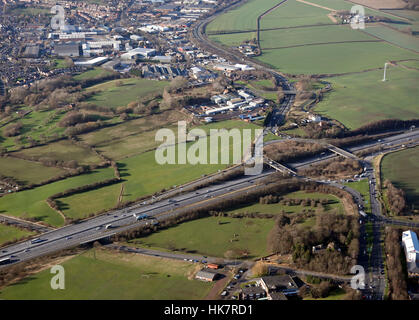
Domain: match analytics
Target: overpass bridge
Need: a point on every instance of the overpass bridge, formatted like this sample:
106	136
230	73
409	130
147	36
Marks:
278	167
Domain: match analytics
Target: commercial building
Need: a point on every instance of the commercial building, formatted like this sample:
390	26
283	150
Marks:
411	249
67	49
141	53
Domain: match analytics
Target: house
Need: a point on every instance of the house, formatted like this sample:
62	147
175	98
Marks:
411	248
207	275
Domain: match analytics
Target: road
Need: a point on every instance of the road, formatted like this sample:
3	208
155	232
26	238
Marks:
24	224
123	219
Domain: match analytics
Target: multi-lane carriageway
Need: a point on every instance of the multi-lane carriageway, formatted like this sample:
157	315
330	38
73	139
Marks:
123	219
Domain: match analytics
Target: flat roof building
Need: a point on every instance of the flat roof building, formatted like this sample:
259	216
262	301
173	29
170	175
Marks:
67	49
411	249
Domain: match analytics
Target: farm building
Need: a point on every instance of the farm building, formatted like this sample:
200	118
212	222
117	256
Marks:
207	275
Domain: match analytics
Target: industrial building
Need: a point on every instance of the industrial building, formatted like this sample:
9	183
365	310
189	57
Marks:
142	53
67	49
411	248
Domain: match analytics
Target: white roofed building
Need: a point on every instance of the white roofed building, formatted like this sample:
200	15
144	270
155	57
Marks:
411	249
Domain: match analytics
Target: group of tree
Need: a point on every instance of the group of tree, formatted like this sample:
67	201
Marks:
396	274
396	198
292	150
342	231
341	167
13	129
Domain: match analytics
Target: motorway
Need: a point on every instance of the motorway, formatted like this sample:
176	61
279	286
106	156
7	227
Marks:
123	219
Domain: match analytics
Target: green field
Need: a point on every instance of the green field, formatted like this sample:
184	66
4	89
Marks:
334	58
402	169
241	18
92	74
101	275
323	57
211	236
398	38
301	36
294	14
361	98
63	150
131	137
27	172
143	176
275	208
59	63
31	203
113	95
37	124
232	39
9	233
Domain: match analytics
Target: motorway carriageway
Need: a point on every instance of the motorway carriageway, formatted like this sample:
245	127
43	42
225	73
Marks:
121	220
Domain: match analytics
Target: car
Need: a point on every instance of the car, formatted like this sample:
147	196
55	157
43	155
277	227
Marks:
224	293
185	259
68	238
204	261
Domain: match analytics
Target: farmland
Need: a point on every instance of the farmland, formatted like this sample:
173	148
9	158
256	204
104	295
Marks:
27	172
10	233
402	40
37	125
32	204
131	137
275	208
365	94
142	176
322	46
62	150
118	93
241	18
103	275
212	236
402	169
334	58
